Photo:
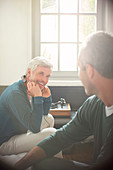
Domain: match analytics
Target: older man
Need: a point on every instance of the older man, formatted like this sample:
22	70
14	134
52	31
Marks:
24	108
94	117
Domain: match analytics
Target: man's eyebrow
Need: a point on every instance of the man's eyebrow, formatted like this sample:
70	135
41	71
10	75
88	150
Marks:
41	72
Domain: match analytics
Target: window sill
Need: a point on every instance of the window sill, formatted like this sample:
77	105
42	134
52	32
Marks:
65	83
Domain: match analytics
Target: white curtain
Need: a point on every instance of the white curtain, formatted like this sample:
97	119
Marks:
108	15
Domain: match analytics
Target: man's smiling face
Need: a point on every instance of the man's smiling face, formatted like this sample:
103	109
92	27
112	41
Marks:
40	76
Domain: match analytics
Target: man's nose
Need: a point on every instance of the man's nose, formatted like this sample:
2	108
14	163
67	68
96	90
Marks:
43	79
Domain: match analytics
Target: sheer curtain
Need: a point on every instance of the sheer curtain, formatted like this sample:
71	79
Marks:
108	15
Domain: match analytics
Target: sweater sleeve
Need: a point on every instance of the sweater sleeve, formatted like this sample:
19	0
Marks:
74	131
19	106
106	152
47	104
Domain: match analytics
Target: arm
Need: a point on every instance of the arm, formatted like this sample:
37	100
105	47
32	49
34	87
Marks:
36	154
47	98
74	131
105	158
106	152
19	106
78	129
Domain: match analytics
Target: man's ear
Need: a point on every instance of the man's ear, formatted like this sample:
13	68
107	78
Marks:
28	72
90	71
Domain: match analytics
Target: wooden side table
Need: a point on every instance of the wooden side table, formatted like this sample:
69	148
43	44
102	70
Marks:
65	111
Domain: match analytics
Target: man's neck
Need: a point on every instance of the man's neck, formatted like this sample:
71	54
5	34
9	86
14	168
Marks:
105	93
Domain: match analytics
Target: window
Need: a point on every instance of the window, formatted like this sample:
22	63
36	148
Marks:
63	26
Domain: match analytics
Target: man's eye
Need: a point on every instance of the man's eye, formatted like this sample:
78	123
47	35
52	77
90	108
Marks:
41	73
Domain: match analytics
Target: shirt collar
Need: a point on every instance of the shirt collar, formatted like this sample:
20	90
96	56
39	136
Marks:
23	78
109	110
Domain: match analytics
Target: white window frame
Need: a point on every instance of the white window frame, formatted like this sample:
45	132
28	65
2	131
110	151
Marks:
68	77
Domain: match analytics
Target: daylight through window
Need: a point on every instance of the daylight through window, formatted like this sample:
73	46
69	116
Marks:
64	25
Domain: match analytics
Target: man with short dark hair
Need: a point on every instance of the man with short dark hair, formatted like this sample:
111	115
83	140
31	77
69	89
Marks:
94	117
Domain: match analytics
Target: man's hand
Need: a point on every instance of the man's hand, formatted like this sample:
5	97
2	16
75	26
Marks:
33	89
46	92
36	154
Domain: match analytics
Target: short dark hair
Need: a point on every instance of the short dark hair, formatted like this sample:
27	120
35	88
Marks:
97	50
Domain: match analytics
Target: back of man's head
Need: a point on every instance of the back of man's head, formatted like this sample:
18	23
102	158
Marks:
97	50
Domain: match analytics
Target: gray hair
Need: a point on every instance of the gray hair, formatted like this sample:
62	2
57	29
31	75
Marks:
39	61
97	51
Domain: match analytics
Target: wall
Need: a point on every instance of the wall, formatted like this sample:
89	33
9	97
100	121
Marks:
15	39
75	95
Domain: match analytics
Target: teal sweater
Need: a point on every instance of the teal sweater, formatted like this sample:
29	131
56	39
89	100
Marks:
90	119
17	115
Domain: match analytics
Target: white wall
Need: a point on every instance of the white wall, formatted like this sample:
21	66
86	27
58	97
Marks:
15	39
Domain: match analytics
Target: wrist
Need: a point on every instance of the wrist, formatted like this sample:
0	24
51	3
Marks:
38	95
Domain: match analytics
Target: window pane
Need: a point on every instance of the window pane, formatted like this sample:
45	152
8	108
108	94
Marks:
87	25
51	52
49	31
79	47
87	6
49	6
68	6
68	57
68	28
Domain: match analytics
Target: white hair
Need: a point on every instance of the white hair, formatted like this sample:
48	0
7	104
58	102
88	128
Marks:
39	61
